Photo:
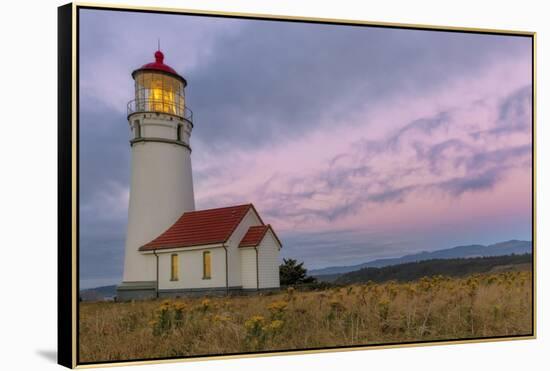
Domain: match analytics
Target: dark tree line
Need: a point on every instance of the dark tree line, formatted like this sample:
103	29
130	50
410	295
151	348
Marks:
457	267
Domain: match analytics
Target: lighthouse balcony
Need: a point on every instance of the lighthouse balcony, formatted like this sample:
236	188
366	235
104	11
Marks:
147	105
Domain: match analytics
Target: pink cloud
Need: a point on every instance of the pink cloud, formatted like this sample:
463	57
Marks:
381	162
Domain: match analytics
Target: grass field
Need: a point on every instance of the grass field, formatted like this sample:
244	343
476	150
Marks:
437	308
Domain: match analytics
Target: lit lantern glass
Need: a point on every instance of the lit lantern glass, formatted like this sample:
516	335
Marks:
159	92
158	88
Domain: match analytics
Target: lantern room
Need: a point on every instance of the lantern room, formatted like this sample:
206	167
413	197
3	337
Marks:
160	89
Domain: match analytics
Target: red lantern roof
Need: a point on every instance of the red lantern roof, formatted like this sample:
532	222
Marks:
158	65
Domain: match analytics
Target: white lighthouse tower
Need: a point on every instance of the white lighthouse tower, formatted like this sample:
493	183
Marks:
161	187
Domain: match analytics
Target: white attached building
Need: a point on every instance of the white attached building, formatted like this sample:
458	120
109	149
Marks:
172	249
216	250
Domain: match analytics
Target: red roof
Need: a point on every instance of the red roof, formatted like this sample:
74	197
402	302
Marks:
203	227
255	234
158	65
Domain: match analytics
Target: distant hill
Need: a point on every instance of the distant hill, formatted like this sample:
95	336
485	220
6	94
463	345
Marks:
447	267
327	277
98	293
469	251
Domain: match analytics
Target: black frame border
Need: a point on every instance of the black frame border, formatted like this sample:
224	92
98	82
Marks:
65	294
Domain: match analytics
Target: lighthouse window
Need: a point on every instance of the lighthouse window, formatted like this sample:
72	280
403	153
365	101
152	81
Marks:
174	267
137	129
206	265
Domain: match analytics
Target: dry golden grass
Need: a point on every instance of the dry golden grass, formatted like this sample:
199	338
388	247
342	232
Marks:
430	309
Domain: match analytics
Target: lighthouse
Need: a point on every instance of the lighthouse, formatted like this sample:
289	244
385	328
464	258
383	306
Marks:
171	248
161	185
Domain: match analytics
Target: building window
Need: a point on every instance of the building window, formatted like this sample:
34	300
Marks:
175	267
178	133
206	265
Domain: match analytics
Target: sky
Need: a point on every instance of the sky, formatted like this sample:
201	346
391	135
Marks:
355	143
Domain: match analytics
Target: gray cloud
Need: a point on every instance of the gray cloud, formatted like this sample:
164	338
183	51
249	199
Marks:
480	182
425	126
101	252
516	107
253	82
438	157
282	80
500	157
104	161
392	195
515	115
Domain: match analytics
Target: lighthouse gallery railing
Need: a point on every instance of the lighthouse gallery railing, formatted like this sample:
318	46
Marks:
161	106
